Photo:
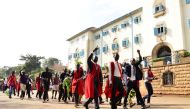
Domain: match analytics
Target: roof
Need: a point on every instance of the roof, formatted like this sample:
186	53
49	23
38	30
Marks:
94	29
120	18
82	32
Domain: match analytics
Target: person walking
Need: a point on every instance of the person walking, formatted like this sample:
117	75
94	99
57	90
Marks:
39	87
134	74
12	83
115	81
77	84
55	86
92	82
23	82
46	78
148	77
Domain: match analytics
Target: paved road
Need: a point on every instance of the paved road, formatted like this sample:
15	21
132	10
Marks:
159	102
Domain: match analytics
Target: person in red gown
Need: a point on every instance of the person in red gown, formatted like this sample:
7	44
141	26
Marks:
115	81
39	87
92	82
77	84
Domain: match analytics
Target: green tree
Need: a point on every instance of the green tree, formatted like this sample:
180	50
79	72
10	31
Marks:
32	62
50	62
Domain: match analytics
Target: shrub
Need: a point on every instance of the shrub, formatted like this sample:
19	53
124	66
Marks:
158	59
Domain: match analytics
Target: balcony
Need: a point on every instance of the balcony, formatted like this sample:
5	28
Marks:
159	10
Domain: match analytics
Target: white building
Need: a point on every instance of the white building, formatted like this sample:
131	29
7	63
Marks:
158	29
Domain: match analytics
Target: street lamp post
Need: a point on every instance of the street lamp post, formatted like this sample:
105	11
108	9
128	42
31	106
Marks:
132	46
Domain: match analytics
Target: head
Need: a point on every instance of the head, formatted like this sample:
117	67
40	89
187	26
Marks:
78	66
23	73
133	61
47	69
13	72
95	59
39	75
56	75
65	71
116	57
149	67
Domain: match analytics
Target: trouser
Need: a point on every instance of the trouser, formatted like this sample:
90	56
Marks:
46	89
61	92
76	95
150	91
4	88
39	92
28	89
65	95
100	98
23	89
11	90
133	85
117	85
53	93
95	96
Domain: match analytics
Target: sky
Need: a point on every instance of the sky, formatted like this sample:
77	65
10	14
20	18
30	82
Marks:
41	27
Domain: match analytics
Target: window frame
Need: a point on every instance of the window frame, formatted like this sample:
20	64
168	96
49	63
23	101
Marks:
187	1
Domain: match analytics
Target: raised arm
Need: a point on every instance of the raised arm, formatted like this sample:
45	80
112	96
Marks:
140	58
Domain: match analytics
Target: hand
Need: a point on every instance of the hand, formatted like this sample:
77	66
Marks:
128	78
138	51
96	49
110	84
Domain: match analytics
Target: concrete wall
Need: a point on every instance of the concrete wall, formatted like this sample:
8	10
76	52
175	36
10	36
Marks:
181	74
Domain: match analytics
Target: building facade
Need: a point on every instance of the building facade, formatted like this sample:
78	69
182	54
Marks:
159	28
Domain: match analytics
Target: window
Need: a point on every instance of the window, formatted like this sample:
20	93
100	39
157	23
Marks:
114	29
97	52
189	23
137	20
159	8
137	39
81	54
125	43
159	31
105	49
115	46
187	1
70	57
104	33
97	37
168	78
76	55
124	25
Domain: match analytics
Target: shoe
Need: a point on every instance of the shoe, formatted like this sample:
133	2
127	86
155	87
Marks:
44	101
143	107
148	105
131	105
125	107
101	102
76	105
65	102
86	106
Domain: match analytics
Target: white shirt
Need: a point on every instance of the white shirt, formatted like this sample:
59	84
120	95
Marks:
133	73
116	71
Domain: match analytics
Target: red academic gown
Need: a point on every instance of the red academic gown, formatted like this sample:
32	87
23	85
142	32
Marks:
108	89
77	75
89	82
99	80
38	83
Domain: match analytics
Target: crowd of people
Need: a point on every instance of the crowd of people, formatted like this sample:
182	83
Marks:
71	86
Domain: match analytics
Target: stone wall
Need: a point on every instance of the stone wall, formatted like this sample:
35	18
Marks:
181	79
